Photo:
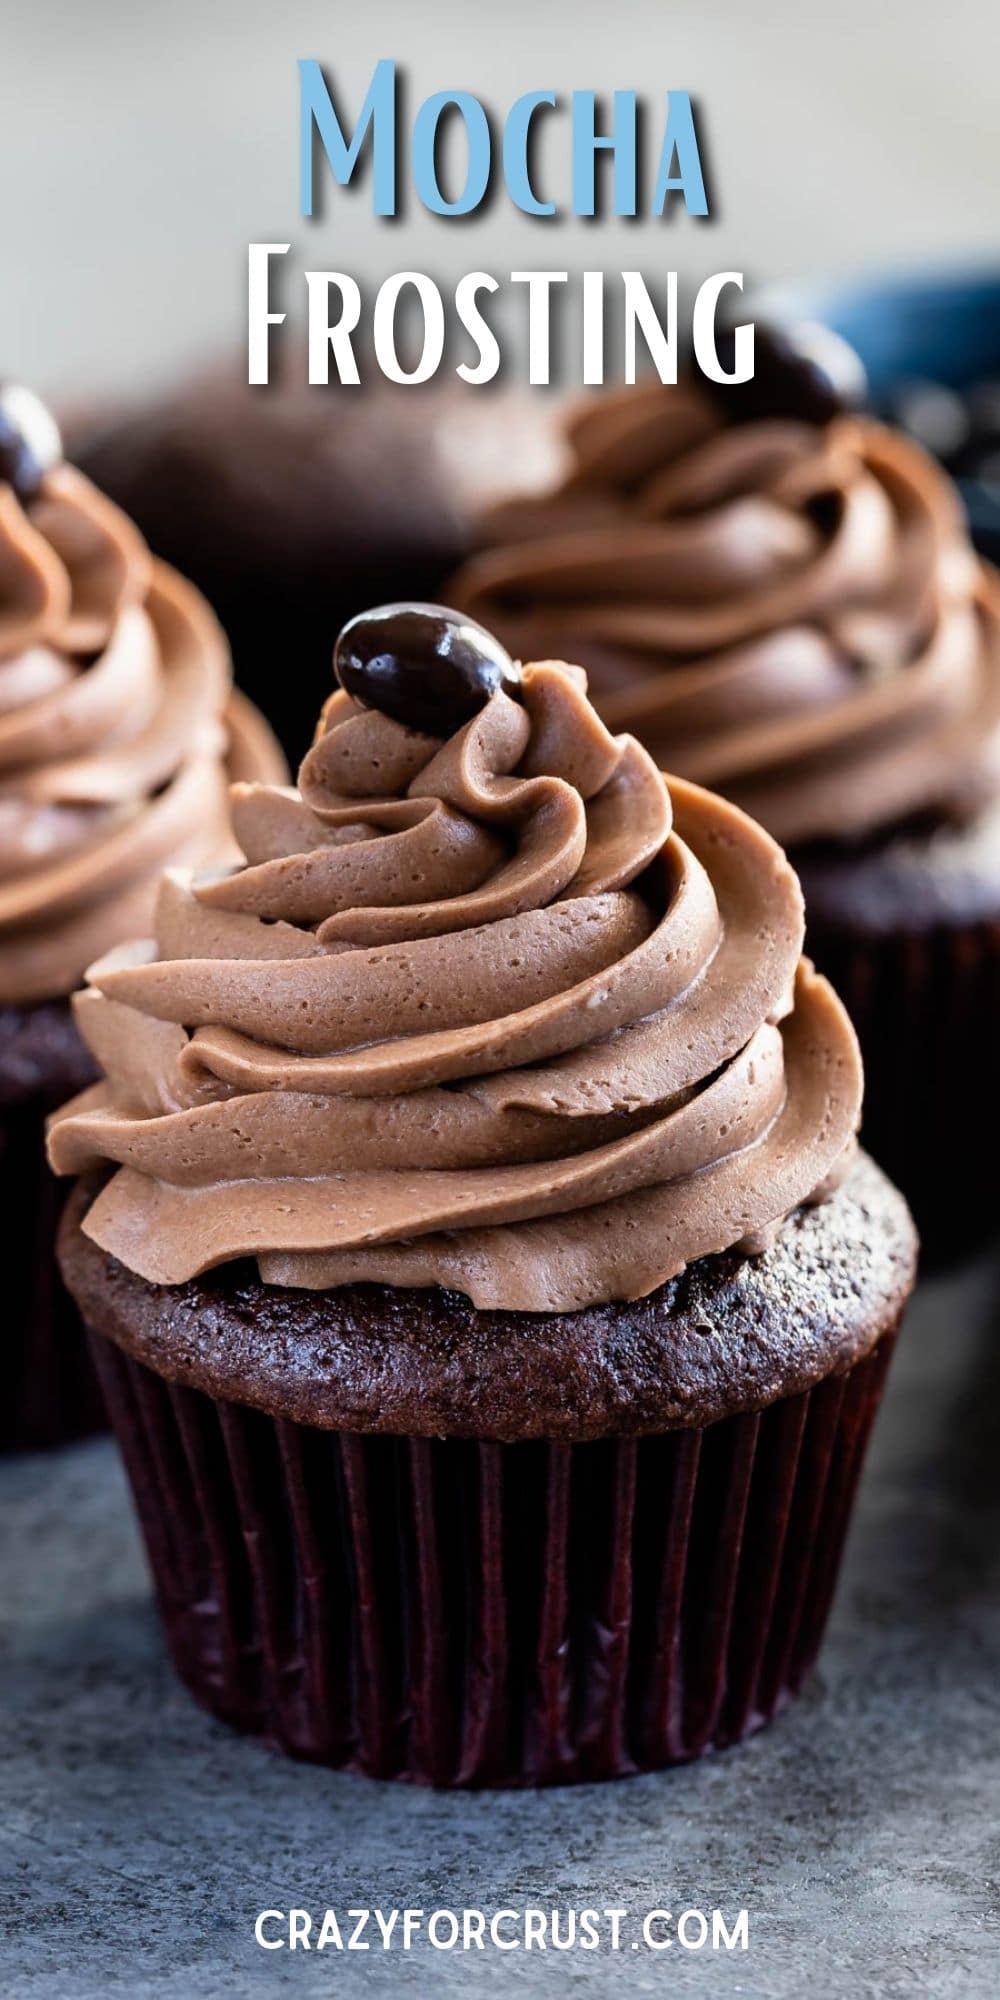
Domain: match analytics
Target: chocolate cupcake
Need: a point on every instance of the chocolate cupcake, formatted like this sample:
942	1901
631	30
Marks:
778	596
491	1301
292	508
116	718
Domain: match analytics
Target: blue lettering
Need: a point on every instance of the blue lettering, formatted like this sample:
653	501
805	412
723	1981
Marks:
680	138
378	112
477	173
516	140
587	143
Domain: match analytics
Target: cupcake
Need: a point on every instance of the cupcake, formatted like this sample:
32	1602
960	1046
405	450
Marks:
114	726
292	508
490	1298
778	596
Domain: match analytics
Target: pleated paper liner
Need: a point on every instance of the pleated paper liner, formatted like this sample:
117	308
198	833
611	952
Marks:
51	1395
456	1612
926	1007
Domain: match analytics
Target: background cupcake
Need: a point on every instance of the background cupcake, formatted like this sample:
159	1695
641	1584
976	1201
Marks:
117	727
491	1302
292	508
779	597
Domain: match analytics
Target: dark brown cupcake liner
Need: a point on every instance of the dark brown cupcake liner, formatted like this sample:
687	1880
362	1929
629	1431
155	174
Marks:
926	1006
460	1612
51	1394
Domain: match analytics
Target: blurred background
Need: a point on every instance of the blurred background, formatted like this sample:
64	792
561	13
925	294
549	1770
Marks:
145	145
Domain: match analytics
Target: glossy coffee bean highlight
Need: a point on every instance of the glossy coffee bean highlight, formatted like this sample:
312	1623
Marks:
30	444
423	665
804	372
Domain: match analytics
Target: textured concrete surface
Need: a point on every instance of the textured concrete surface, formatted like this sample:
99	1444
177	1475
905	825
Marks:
138	1839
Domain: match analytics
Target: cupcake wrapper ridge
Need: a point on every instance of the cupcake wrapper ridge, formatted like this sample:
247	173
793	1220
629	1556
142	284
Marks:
466	1613
926	1007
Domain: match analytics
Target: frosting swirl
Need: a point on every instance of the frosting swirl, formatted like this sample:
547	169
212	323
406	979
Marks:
499	1013
114	727
788	611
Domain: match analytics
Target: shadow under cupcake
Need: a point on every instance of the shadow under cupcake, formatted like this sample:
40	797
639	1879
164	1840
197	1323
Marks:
778	596
490	1298
118	728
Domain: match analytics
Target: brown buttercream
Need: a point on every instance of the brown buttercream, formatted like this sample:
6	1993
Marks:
114	733
788	612
501	1014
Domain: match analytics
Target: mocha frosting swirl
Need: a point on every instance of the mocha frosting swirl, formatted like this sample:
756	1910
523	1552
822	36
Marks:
499	1013
114	733
789	612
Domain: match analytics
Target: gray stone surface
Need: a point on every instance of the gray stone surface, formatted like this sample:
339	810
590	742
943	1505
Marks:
138	1839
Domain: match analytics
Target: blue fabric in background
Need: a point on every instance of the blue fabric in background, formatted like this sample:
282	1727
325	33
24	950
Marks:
931	326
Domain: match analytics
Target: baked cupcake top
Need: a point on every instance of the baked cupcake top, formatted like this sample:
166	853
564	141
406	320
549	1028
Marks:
117	720
493	1010
775	594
